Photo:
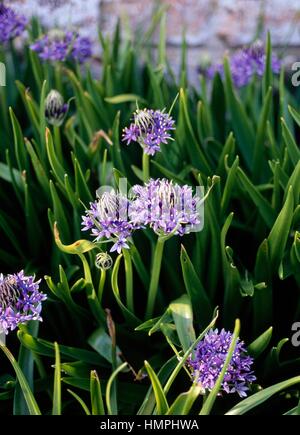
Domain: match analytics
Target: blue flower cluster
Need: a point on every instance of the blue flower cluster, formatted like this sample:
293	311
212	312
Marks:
209	358
20	300
11	24
246	63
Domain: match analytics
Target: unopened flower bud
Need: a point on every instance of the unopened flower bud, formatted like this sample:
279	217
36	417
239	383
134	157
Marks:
55	108
103	261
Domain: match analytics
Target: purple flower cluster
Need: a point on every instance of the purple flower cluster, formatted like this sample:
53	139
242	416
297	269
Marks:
11	24
20	300
245	63
150	128
160	204
164	206
108	218
209	358
58	45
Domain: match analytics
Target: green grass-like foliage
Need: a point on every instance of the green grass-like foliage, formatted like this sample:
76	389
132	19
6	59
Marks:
95	352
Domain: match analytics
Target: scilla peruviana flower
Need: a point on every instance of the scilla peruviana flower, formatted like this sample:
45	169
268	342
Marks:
165	206
107	218
245	63
55	108
150	128
59	45
20	300
209	358
11	24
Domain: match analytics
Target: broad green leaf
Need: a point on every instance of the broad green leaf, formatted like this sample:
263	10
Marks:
28	395
125	98
185	356
185	129
56	407
295	115
79	247
232	279
149	402
218	108
257	399
101	342
26	363
261	203
259	146
242	127
46	348
292	147
112	406
115	149
293	411
22	158
6	175
184	402
55	164
80	401
96	395
268	73
260	344
38	167
230	184
278	236
129	316
210	400
181	310
201	305
59	212
161	400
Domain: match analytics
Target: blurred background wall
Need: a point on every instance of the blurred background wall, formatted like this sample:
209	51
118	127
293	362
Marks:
211	26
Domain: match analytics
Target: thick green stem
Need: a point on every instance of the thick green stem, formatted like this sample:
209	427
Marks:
156	266
57	142
129	280
101	285
146	168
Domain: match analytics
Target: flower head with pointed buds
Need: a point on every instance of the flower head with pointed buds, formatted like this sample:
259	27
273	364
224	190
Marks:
107	218
246	63
55	108
150	128
20	300
209	358
165	206
58	45
11	24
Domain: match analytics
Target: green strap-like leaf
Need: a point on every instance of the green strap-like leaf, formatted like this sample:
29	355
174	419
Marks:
28	395
56	408
209	402
184	402
257	399
96	394
161	400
